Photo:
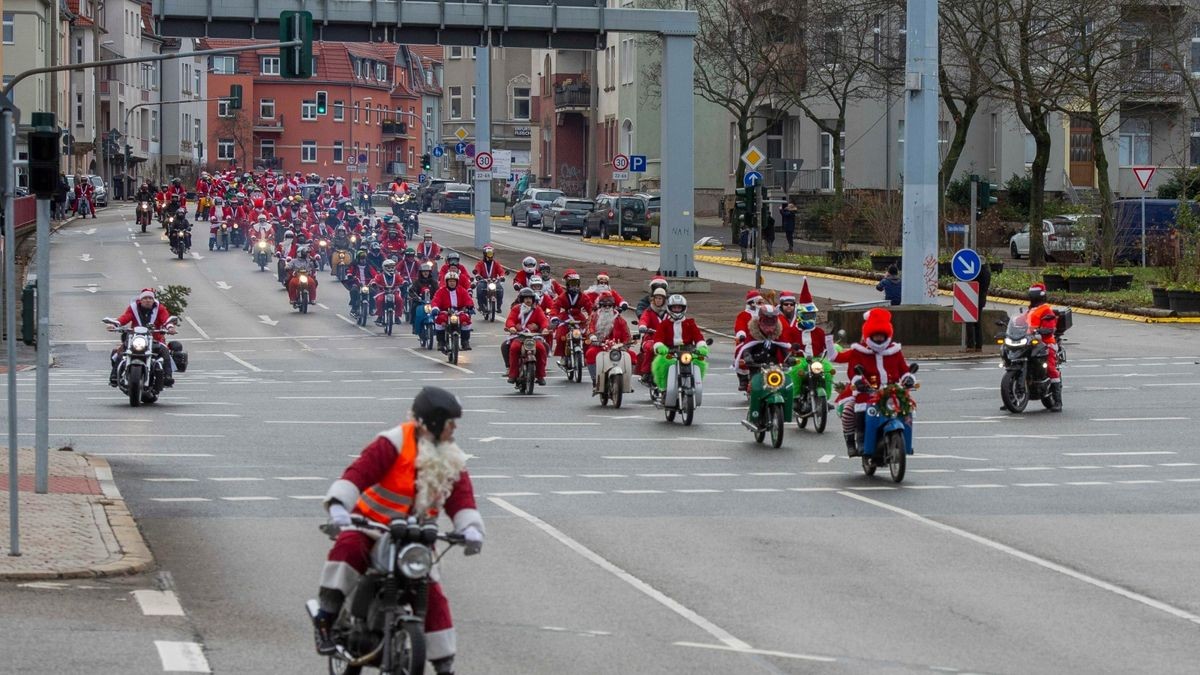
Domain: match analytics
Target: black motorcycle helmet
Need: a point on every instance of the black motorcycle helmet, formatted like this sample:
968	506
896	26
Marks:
1037	295
433	407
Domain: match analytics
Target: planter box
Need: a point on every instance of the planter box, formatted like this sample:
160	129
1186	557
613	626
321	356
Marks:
945	269
1161	301
997	267
842	257
1054	282
1086	284
1184	301
880	263
1121	282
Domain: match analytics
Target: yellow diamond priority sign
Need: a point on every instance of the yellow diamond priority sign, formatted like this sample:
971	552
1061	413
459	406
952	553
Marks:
461	134
753	157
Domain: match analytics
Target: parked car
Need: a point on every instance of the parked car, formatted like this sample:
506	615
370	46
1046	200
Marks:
454	197
1061	239
528	209
602	221
426	192
1160	223
566	213
101	195
653	203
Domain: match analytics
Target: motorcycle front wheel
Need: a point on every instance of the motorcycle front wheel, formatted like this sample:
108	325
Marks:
303	303
340	667
453	355
408	650
1013	392
762	430
775	422
687	406
388	320
133	375
897	459
868	465
529	375
820	413
179	251
615	391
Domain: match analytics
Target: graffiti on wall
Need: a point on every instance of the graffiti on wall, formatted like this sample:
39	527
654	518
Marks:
571	180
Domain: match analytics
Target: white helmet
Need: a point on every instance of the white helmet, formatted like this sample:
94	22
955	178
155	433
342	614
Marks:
536	283
530	264
676	307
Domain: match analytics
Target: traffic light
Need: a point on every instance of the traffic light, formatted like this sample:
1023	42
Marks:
235	97
44	156
745	207
425	162
985	195
322	102
296	62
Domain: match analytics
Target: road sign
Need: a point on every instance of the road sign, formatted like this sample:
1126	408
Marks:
362	158
422	178
350	161
501	163
438	151
966	265
470	149
483	161
461	134
1143	174
483	175
752	178
637	163
460	157
460	148
753	157
620	162
966	302
620	175
956	228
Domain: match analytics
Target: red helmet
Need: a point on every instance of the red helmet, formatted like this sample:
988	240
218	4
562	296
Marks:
571	275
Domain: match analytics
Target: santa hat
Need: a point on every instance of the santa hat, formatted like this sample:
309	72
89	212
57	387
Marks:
146	293
877	320
805	295
787	296
752	294
1037	288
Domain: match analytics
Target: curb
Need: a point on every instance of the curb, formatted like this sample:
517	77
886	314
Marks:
128	553
799	270
594	241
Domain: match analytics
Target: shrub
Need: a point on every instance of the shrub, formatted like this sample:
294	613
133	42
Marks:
1017	190
958	192
1185	181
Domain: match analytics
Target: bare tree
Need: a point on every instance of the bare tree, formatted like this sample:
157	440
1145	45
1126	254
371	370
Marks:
966	76
238	127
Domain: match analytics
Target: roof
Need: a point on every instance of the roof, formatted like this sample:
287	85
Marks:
431	52
80	19
148	20
333	58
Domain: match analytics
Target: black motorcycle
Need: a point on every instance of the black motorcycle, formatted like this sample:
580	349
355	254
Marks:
364	304
141	372
572	361
144	213
178	236
1025	355
262	254
382	622
487	296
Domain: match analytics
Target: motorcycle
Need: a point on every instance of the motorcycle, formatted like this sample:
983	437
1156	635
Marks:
453	337
770	399
572	362
262	255
1025	359
223	237
322	253
281	268
177	237
340	262
143	215
237	238
363	311
389	308
487	296
527	372
303	291
886	436
614	375
411	225
141	371
685	389
811	401
382	621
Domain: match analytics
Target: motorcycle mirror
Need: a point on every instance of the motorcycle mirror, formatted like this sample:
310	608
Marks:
1002	323
109	320
912	367
858	370
708	341
841	335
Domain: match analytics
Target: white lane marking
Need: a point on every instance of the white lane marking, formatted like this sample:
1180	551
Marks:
771	473
1129	466
468	371
662	457
1138	419
1088	482
325	398
660	475
91	419
1032	468
985	470
236	479
704	624
249	499
962	421
513	494
543	475
759	652
1115	454
981	485
1035	484
204	414
696	491
594	475
1138	482
182	657
1173	384
152	454
197	328
1185	480
825	459
172	500
638	492
171	480
758	490
971	459
1179	464
158	603
252	367
1029	557
927	487
307	497
576	492
311	477
321	306
546	424
324	422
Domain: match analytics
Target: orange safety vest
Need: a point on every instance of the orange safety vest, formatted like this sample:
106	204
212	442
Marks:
393	497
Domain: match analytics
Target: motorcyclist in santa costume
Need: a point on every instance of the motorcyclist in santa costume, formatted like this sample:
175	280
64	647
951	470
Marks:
1044	320
528	269
146	311
547	274
385	282
358	274
545	299
655	283
453	297
525	316
811	345
571	304
427	249
423	284
489	268
415	468
453	264
603	285
647	325
882	363
675	330
766	328
605	330
742	321
305	263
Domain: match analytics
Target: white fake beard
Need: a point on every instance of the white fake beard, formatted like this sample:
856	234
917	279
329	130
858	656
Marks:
605	318
438	467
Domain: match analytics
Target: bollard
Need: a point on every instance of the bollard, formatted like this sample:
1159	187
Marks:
28	311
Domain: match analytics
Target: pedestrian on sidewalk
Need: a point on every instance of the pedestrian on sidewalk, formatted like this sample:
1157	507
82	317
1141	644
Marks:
768	235
975	330
890	285
60	197
788	217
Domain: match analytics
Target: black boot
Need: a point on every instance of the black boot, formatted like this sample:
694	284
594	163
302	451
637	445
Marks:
851	446
112	376
466	341
443	666
1056	396
323	633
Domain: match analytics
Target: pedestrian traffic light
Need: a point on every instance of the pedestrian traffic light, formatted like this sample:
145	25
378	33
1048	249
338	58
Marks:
235	97
322	102
425	162
986	196
296	62
745	210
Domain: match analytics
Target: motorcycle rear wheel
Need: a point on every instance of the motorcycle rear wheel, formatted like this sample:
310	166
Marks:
897	459
1013	392
775	422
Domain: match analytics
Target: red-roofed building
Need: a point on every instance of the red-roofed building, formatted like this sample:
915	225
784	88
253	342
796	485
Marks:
372	112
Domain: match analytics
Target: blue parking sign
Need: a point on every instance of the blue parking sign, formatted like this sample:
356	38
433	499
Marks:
637	163
422	178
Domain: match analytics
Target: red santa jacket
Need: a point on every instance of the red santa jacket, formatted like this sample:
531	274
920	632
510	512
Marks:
428	250
576	306
463	274
459	299
741	324
885	366
649	320
674	333
488	270
202	188
534	320
619	334
360	274
381	283
593	294
158	314
408	267
812	342
521	279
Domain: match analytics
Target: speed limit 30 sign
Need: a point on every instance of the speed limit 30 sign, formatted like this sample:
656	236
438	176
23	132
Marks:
483	161
620	162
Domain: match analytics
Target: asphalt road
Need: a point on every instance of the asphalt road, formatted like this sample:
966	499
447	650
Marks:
618	542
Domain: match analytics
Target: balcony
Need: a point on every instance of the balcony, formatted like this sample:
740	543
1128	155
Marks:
572	98
1152	86
268	162
269	125
395	129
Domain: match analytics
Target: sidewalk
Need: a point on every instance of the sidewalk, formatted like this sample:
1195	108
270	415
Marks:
81	528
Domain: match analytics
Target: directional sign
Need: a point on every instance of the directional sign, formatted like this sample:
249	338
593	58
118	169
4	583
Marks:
752	178
753	157
422	178
966	302
483	161
966	265
637	163
461	134
620	175
1143	174
620	162
460	148
956	228
438	151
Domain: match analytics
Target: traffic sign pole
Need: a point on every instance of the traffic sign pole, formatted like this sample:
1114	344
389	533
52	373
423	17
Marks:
1144	174
620	164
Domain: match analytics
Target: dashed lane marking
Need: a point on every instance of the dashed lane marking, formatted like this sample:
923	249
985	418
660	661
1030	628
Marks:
173	500
158	603
250	499
460	369
182	657
247	364
196	326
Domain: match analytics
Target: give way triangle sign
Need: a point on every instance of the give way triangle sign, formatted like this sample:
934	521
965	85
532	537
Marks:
1143	174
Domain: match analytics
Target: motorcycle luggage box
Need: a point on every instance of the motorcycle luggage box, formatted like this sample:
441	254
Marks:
178	356
1065	320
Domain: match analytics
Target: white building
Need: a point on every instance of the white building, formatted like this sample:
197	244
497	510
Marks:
184	124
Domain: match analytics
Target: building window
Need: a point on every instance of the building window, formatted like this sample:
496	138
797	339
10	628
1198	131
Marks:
1194	160
223	108
266	108
472	101
225	149
356	118
339	111
455	103
338	152
79	109
520	107
368	113
197	134
154	125
224	65
378	154
1134	145
78	50
186	80
308	110
455	52
266	148
270	65
381	72
195	81
10	28
314	66
410	155
626	64
610	67
308	152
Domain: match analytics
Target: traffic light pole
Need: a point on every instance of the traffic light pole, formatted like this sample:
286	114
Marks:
970	238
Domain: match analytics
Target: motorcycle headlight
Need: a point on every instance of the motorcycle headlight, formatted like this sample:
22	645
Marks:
615	355
262	245
1009	342
453	318
576	334
304	278
773	379
365	289
492	286
817	368
139	343
322	244
685	358
415	561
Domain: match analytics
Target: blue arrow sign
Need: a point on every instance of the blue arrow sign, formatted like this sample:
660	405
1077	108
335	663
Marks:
637	163
438	151
752	178
966	264
460	148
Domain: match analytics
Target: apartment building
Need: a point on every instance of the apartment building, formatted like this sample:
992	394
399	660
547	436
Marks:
183	112
28	33
79	115
429	58
127	93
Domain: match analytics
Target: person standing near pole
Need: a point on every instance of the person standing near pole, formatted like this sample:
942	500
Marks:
787	216
975	328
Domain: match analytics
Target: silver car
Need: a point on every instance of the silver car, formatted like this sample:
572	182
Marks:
528	210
